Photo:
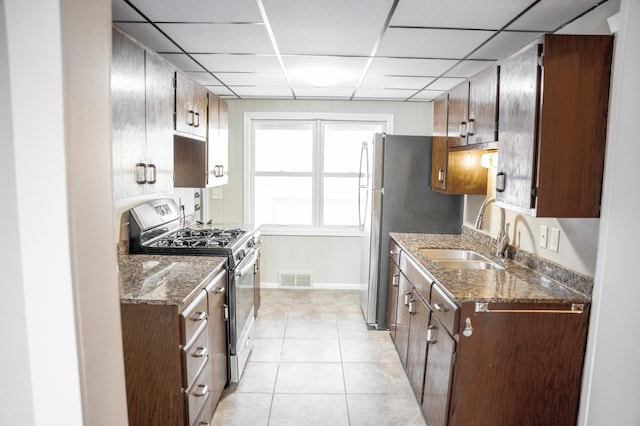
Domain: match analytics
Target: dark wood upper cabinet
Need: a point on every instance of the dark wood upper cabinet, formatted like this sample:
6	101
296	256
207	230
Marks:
553	105
482	124
458	115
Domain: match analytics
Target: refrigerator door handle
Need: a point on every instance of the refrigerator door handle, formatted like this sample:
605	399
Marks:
364	160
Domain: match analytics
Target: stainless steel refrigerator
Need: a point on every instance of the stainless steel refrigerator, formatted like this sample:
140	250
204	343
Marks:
395	196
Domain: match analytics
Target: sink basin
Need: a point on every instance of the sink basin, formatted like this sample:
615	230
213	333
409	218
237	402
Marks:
468	264
459	259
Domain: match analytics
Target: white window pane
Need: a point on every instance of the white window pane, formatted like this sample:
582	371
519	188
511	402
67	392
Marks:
340	201
283	200
283	147
342	144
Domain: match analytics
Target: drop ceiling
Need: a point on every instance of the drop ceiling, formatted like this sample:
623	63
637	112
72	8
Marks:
400	50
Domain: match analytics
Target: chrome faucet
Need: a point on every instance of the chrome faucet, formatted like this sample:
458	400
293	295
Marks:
503	235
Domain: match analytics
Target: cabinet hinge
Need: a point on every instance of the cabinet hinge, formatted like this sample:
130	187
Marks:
534	192
541	60
175	81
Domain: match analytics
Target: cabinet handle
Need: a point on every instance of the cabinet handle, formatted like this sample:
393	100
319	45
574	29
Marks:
407	298
197	123
191	117
395	280
199	316
412	306
463	129
501	181
220	290
152	173
430	334
440	308
226	312
203	390
441	175
468	328
141	173
471	128
200	352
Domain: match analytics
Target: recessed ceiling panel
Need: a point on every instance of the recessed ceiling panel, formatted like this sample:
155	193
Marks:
262	91
594	22
327	27
395	94
121	11
204	78
404	66
220	91
468	68
149	36
182	61
427	95
200	10
232	63
220	38
395	82
504	43
487	14
253	78
445	83
435	44
549	15
347	70
323	92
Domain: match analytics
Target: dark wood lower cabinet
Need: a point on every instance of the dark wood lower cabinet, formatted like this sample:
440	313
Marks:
403	318
417	347
392	298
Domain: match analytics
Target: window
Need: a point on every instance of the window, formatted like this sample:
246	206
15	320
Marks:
304	173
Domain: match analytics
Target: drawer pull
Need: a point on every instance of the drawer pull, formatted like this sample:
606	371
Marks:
199	316
202	390
407	298
395	280
576	308
440	308
468	328
200	352
219	290
412	306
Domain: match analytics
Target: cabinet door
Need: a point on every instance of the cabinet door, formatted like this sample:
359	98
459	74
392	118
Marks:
483	109
439	163
519	99
438	373
458	111
440	115
392	297
128	110
403	318
218	335
417	348
159	121
191	107
217	142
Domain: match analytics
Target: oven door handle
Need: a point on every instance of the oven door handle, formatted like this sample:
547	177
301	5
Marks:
240	271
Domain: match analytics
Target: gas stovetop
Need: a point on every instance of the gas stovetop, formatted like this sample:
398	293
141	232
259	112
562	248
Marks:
194	238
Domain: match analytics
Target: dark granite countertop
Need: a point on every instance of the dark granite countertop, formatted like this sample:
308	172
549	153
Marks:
164	280
514	284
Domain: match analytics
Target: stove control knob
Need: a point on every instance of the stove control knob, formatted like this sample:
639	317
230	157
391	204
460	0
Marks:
251	243
241	254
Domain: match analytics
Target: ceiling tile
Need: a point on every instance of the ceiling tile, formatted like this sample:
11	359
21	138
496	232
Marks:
504	43
405	66
323	92
427	43
149	36
548	15
395	94
594	22
200	10
182	61
220	90
394	82
350	69
220	38
328	27
427	95
121	11
468	68
204	78
253	78
262	91
487	14
231	63
445	83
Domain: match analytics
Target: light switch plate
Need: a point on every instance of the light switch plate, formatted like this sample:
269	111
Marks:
543	236
554	239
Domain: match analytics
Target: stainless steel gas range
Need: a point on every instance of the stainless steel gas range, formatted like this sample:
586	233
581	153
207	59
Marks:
158	227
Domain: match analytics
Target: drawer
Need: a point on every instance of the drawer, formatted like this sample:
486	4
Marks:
195	355
193	317
198	394
394	252
418	277
205	416
445	309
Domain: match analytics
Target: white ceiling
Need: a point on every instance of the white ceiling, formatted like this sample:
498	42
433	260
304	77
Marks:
402	50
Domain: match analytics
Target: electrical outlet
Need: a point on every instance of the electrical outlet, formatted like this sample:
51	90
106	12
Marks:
554	239
543	236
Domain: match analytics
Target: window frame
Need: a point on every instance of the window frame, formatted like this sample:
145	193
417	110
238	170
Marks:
318	173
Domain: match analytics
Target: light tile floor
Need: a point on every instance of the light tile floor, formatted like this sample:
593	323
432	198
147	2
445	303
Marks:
314	362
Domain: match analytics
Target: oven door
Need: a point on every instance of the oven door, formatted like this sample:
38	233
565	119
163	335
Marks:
242	313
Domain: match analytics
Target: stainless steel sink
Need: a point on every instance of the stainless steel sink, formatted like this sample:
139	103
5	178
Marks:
459	259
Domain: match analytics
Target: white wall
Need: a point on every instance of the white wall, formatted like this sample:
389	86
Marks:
59	310
610	384
329	260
